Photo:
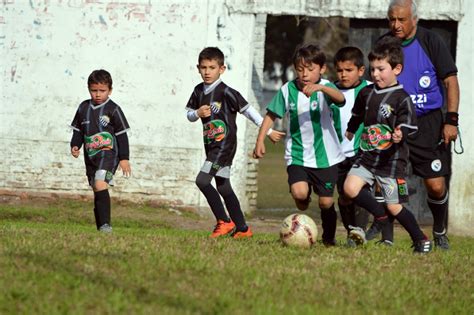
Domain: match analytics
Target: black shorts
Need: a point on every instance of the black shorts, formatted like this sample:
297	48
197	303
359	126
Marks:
429	157
101	166
342	169
322	180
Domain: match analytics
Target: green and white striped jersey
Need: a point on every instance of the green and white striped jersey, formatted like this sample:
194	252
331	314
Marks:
341	116
311	138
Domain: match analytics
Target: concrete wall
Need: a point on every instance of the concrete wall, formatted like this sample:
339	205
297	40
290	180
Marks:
50	47
150	47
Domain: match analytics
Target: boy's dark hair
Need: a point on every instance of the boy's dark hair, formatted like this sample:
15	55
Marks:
307	53
390	48
211	53
349	53
100	76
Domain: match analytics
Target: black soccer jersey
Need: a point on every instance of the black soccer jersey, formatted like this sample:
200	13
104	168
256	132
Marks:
381	111
99	125
220	129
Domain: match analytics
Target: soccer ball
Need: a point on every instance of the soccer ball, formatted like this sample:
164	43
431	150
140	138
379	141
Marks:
298	230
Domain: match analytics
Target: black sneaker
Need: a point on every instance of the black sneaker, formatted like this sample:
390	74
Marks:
422	247
373	231
441	241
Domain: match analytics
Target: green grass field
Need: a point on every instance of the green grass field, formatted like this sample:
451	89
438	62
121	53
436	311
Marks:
52	261
272	179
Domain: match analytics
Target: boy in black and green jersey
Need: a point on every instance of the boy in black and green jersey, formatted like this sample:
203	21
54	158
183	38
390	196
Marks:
101	126
388	115
217	105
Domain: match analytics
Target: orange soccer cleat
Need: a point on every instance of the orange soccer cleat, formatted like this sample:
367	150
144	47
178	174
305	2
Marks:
222	228
239	234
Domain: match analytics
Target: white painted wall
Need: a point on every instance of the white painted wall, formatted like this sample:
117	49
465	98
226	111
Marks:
151	47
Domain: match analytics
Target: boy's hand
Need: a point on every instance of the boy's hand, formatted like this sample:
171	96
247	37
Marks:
75	151
259	150
349	135
204	111
276	136
397	135
126	169
311	88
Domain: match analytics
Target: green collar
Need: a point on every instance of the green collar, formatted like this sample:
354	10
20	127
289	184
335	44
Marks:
407	42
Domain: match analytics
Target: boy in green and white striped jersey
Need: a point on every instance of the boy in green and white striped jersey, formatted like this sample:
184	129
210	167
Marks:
349	64
312	146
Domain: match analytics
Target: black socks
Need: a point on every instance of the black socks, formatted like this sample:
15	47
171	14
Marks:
102	207
439	209
408	221
329	222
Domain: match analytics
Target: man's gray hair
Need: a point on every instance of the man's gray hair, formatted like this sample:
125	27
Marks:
403	3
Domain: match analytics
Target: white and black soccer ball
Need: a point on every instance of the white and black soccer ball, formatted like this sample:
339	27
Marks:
298	230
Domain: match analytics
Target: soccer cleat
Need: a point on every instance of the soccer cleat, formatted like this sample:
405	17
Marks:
384	243
350	242
105	228
240	234
422	247
441	241
373	231
222	228
357	234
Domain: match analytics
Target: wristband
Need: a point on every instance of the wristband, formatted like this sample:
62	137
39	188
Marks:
451	118
269	131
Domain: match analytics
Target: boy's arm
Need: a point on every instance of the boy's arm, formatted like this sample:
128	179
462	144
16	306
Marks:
405	123
332	92
76	143
195	114
124	154
358	113
251	114
259	150
335	95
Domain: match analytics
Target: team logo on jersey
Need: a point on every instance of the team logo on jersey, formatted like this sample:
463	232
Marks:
376	137
104	120
98	142
314	105
402	187
389	189
292	105
216	107
385	110
436	165
214	130
424	81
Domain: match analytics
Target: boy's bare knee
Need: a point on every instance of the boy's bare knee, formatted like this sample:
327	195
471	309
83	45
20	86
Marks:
100	185
394	208
325	202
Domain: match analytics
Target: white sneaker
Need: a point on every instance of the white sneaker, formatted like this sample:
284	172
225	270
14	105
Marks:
357	234
105	228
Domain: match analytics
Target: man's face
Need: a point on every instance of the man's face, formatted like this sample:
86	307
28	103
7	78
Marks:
401	22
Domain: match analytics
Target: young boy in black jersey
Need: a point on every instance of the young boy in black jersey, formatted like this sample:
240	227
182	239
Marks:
388	115
101	126
217	105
